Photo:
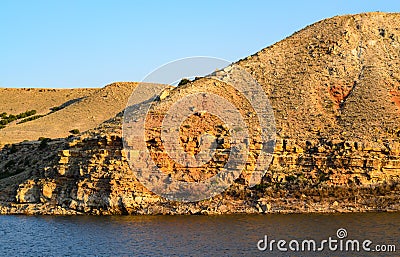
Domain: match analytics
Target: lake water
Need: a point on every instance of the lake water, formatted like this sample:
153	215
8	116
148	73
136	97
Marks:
227	235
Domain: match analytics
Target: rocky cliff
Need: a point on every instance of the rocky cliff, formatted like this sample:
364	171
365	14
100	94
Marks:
334	88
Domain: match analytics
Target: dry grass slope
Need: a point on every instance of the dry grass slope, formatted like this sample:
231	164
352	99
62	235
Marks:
84	109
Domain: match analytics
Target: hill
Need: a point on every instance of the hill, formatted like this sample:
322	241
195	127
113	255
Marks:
62	109
338	78
334	89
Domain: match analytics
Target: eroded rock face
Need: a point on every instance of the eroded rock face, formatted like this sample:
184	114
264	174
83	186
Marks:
93	177
32	191
28	192
339	162
333	89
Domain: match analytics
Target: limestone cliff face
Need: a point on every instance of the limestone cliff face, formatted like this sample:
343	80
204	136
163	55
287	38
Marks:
334	88
91	175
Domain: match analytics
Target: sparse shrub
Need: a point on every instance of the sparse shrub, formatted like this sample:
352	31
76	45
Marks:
30	118
5	119
26	114
44	142
183	81
44	139
74	131
290	178
11	117
259	187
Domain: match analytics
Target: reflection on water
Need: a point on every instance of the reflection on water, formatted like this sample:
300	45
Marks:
232	235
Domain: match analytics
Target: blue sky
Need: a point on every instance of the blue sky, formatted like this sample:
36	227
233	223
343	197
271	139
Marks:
91	43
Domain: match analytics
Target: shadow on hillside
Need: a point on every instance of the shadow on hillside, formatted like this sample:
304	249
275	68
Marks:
24	160
66	104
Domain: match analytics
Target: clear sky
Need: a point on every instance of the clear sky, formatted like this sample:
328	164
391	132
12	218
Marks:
90	43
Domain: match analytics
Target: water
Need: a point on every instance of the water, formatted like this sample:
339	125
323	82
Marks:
227	235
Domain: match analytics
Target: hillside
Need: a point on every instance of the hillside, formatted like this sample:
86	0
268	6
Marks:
338	78
17	100
334	88
63	110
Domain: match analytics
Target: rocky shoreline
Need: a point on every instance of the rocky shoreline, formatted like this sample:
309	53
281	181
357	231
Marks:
290	206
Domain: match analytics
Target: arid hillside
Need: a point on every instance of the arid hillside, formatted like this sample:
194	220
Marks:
338	78
334	88
18	100
63	110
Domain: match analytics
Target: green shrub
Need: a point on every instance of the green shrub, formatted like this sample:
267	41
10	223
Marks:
261	186
5	119
74	131
30	118
183	82
290	178
44	142
8	119
11	117
26	114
